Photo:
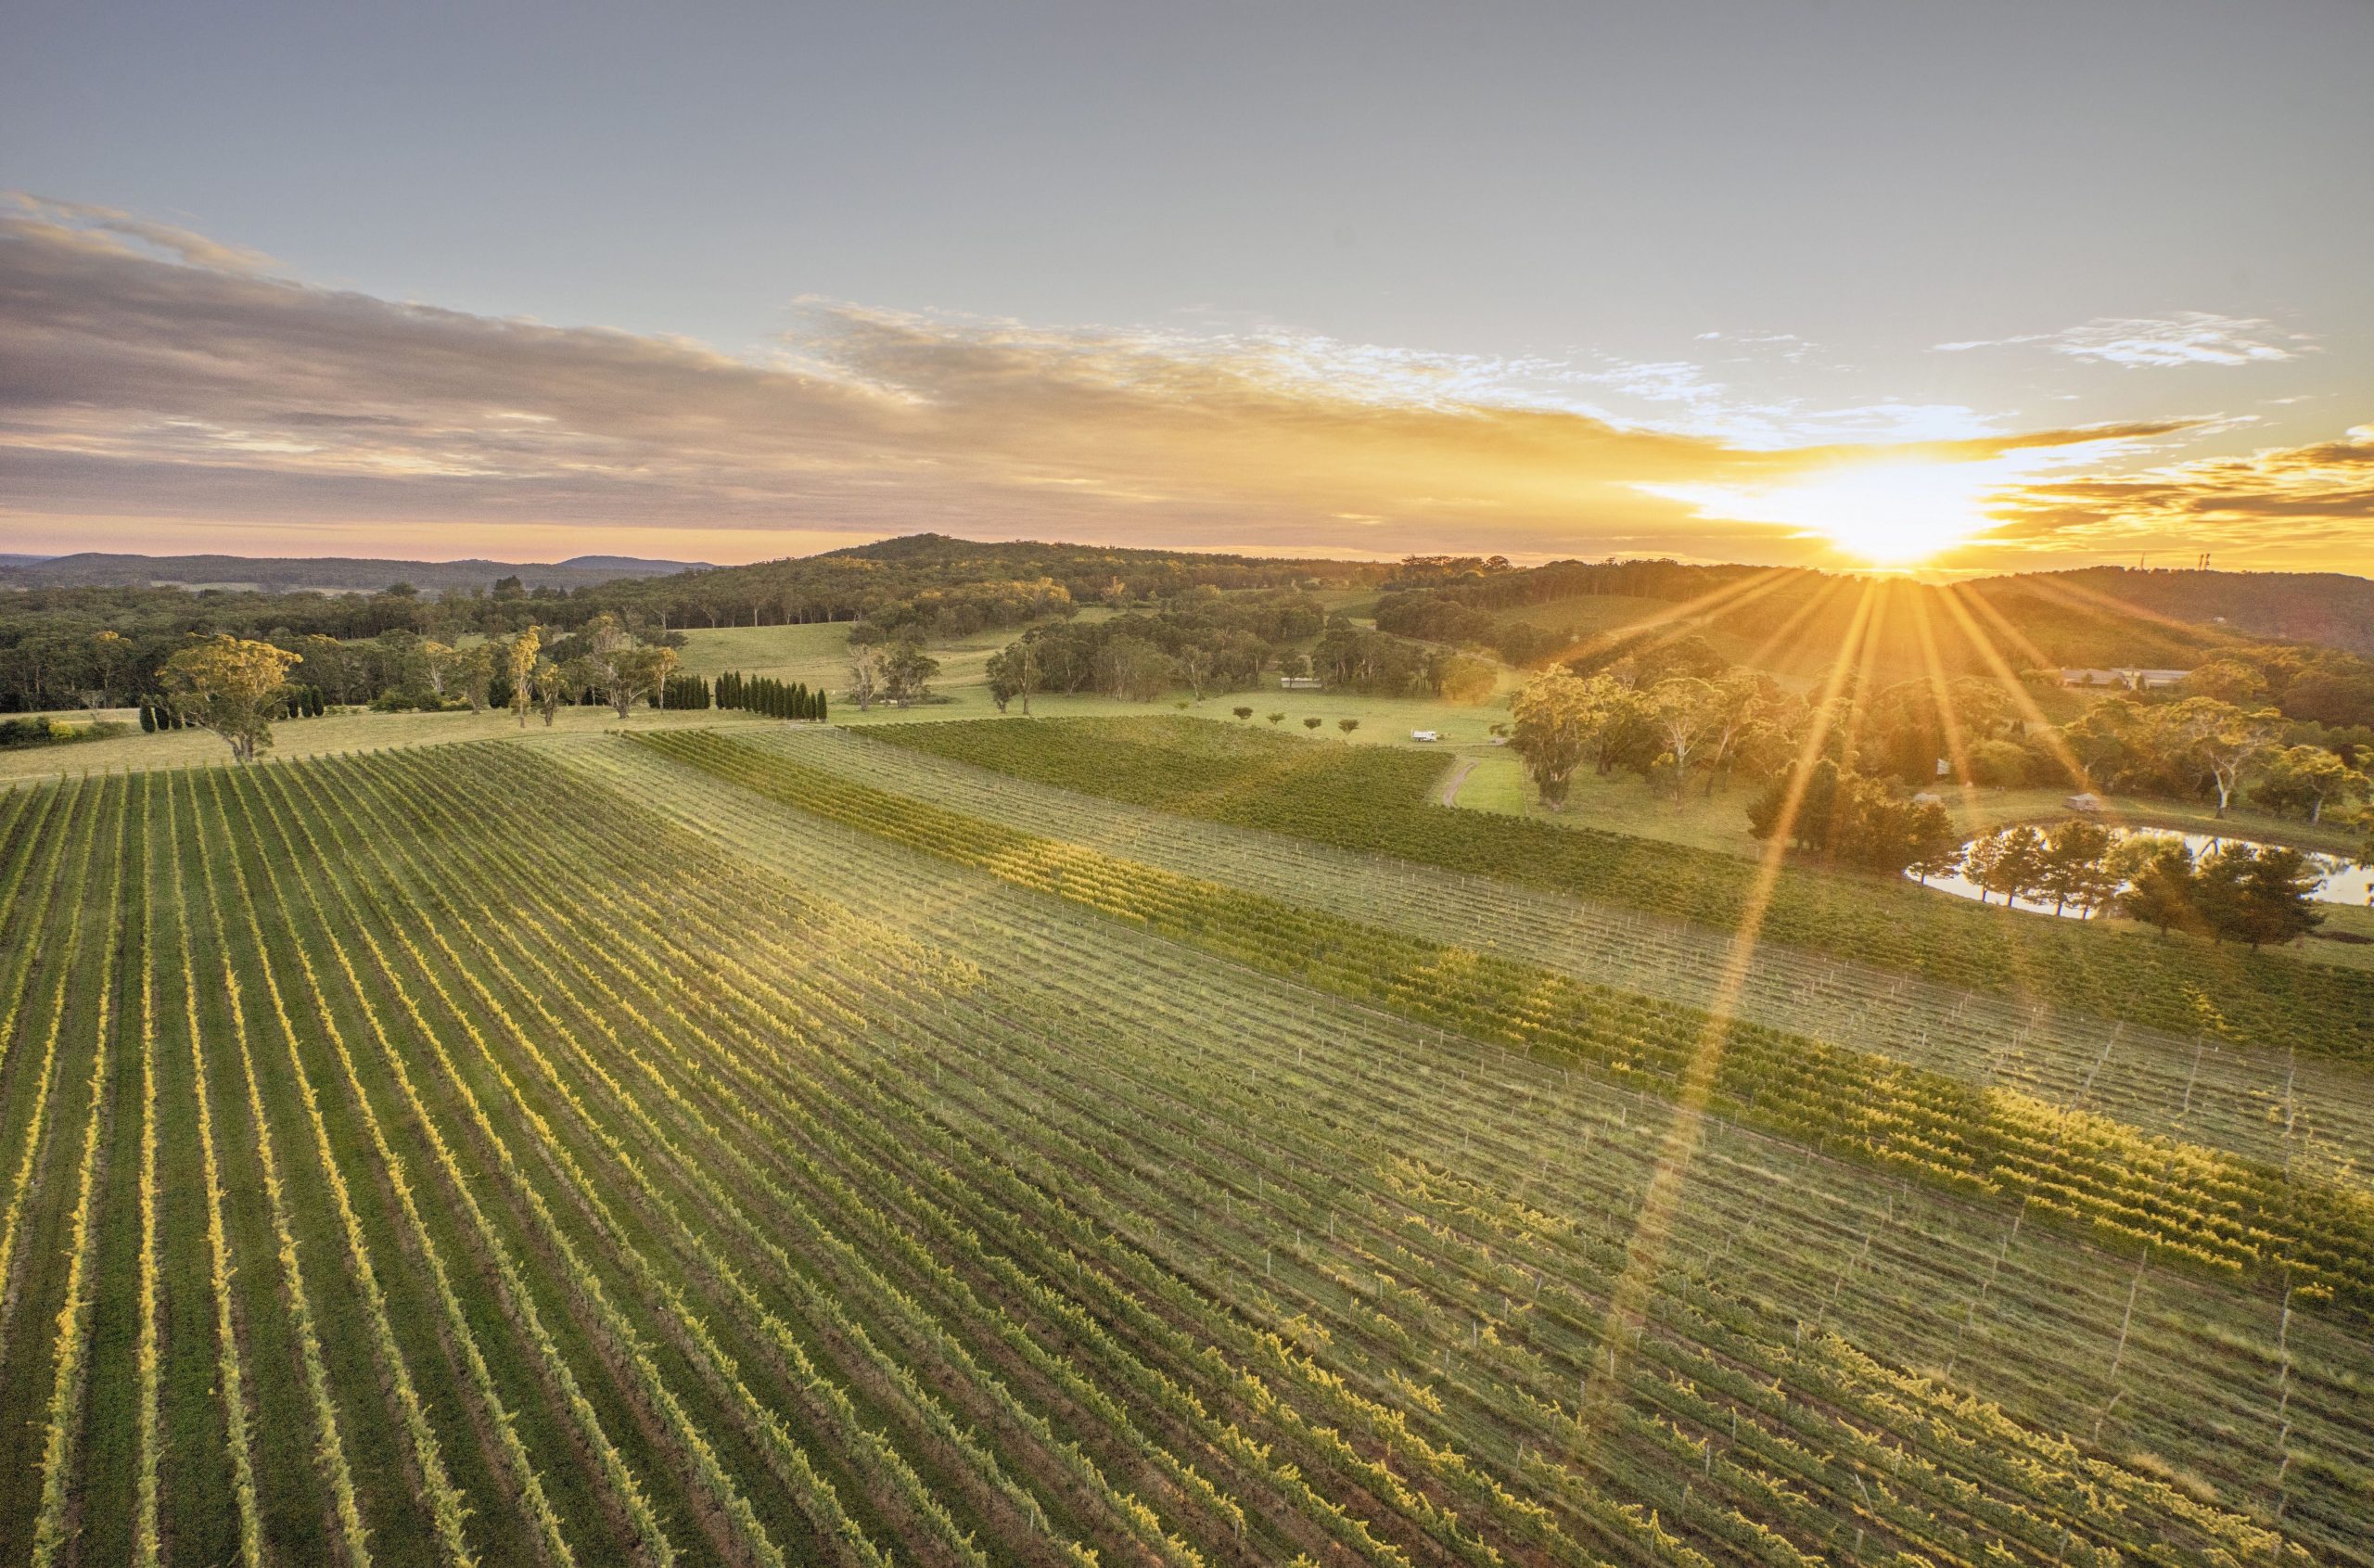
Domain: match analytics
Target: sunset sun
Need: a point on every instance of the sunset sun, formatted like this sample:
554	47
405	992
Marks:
1874	513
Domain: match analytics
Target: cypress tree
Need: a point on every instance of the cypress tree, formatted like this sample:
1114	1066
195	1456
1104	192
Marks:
818	715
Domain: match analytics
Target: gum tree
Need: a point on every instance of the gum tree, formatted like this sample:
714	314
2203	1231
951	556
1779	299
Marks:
229	685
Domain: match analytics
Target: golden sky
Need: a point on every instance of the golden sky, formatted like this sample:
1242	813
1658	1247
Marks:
169	393
1974	287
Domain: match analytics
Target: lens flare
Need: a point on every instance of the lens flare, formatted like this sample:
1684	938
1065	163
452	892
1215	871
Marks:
1881	514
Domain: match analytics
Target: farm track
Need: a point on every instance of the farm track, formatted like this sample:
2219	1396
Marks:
556	1156
2317	1112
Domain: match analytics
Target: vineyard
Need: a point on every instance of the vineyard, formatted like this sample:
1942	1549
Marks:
695	1148
1376	800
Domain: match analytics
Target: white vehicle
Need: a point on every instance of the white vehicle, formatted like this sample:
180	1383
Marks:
1424	735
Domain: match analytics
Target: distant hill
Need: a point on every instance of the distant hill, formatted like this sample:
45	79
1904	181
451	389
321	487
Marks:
335	574
2330	607
955	586
624	566
1797	620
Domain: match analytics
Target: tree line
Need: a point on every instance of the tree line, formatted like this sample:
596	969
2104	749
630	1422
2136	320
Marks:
765	695
238	686
2255	893
1207	642
926	587
1675	709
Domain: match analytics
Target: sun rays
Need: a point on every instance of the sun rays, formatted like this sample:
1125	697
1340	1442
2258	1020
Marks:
1834	717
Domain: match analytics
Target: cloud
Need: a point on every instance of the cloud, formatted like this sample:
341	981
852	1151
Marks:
80	223
146	370
2279	502
2162	342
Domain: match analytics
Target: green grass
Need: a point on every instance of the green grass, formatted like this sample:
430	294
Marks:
817	653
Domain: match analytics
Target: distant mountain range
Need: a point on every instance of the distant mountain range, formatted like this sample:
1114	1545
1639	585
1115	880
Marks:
335	574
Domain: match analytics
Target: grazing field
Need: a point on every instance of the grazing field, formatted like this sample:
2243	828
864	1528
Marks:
1381	800
669	1150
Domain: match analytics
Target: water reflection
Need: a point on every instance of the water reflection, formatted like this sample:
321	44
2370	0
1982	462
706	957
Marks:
2345	881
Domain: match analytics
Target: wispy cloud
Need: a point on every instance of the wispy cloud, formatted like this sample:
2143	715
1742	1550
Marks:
2162	342
111	229
147	371
2279	502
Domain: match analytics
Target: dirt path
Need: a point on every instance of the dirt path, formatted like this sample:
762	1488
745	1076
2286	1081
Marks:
1458	777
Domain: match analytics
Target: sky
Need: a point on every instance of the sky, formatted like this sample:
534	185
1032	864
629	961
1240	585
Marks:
1974	287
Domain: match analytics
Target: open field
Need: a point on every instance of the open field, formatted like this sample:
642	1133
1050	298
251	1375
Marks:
818	655
564	1153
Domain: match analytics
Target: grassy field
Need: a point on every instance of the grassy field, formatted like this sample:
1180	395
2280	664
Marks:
818	655
591	1151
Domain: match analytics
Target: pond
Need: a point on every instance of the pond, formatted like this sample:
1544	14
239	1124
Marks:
2345	881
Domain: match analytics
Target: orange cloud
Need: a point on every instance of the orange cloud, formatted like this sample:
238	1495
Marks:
146	371
2302	505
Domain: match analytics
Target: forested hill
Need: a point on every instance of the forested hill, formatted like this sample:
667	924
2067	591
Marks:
1802	620
2101	616
2330	607
93	568
960	585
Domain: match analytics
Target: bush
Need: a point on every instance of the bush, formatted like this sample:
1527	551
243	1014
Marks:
20	734
2005	764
